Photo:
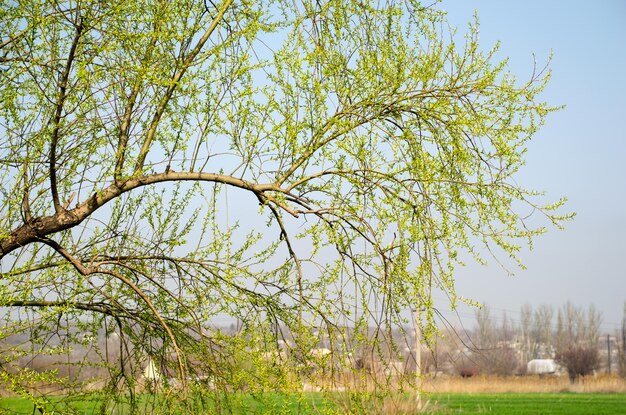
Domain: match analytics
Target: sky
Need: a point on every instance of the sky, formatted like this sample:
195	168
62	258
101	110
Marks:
580	153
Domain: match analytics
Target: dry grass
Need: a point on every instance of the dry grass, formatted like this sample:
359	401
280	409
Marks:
601	383
525	384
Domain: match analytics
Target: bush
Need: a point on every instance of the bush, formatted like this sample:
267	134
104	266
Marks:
501	361
579	361
468	371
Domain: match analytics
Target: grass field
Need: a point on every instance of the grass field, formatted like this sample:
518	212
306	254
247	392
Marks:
445	395
439	404
530	404
269	403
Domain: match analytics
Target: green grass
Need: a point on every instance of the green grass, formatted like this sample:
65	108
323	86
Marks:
18	406
235	403
530	404
440	404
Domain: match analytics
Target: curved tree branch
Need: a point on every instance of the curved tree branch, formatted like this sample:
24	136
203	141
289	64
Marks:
91	271
66	219
56	121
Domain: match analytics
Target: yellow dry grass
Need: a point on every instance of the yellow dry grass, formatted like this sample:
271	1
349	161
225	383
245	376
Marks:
524	384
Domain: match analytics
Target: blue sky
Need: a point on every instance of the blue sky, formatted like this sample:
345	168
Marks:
580	153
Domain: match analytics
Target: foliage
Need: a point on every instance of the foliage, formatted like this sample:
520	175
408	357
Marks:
312	171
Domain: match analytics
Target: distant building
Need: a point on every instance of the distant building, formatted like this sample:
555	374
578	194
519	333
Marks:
151	373
541	367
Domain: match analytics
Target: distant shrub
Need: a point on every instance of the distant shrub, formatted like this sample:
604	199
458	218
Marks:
501	361
468	371
579	361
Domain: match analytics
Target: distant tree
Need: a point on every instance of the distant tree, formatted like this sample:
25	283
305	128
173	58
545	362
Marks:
594	322
577	339
536	332
542	322
300	167
507	329
529	346
575	326
621	341
560	337
500	360
494	353
579	360
485	334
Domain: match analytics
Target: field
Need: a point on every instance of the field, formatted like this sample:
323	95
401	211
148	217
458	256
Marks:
525	384
529	404
527	395
444	396
439	404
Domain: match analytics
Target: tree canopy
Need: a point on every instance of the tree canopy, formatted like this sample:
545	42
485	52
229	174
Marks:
310	171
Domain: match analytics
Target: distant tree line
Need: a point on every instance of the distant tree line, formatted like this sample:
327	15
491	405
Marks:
570	335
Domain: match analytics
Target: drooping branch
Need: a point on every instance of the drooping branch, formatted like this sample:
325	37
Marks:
348	119
85	271
292	253
160	286
98	307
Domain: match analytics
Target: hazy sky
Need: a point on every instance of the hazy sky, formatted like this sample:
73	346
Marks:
580	153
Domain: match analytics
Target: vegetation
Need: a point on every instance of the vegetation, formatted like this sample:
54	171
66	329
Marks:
621	351
439	404
149	403
503	346
527	404
579	361
532	384
309	172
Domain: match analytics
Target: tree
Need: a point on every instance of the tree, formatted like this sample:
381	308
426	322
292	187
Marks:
494	354
537	333
577	327
621	345
577	339
542	331
526	326
579	361
299	168
486	331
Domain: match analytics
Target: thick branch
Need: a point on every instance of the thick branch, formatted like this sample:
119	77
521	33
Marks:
57	118
41	227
